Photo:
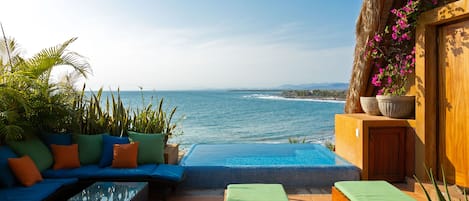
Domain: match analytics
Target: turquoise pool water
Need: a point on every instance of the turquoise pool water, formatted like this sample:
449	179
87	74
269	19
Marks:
292	165
264	155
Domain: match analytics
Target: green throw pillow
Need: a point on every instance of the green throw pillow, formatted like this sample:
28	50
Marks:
34	148
150	148
90	148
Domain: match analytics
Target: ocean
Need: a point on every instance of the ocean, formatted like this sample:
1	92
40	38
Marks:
220	117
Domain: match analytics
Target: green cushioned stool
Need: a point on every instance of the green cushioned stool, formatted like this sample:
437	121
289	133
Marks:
255	192
370	190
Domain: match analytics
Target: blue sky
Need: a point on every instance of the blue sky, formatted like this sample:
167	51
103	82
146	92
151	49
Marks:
204	44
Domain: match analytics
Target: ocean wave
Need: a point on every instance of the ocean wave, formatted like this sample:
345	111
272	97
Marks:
274	97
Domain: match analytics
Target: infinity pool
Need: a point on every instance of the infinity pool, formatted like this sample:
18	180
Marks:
293	165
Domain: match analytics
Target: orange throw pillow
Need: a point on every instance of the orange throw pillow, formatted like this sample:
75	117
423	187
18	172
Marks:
25	170
65	156
125	155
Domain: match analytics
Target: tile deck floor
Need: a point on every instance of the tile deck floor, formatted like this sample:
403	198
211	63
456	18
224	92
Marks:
217	195
313	194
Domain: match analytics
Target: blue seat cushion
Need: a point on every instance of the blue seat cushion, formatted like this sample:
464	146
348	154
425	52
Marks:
94	171
7	179
108	148
139	171
173	173
38	191
83	172
168	172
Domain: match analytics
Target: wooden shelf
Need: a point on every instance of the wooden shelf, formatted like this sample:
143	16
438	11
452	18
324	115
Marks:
380	120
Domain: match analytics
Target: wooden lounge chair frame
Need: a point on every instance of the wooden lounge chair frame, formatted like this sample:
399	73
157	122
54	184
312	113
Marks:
337	195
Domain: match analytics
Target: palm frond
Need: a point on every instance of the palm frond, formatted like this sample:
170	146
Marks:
11	132
42	63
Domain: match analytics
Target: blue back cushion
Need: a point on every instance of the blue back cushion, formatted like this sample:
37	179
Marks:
108	148
58	139
7	179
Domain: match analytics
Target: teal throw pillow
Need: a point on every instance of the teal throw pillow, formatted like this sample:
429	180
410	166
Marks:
150	148
90	148
34	148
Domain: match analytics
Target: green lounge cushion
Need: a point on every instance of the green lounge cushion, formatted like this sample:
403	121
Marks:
256	192
371	190
150	149
34	148
90	148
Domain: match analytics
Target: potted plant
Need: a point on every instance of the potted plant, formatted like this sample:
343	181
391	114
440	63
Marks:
392	53
370	105
156	120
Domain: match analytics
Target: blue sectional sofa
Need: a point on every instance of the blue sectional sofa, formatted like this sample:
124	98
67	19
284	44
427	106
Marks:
39	191
54	181
161	172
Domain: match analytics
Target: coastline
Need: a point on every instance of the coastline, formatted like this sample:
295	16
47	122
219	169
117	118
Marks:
319	98
309	99
316	94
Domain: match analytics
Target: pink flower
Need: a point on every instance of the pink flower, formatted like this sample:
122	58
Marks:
378	38
405	36
392	52
407	9
435	2
402	72
403	24
409	4
375	81
401	15
381	91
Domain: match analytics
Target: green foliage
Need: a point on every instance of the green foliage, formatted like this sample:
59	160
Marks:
329	145
91	117
439	194
29	99
296	140
316	93
153	120
120	119
292	140
116	119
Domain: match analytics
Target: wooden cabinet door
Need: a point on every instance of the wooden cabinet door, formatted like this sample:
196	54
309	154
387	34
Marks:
386	155
453	74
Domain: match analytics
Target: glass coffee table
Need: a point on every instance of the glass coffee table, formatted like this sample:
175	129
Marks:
113	191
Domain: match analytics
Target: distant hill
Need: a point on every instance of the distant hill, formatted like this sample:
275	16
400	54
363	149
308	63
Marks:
334	85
